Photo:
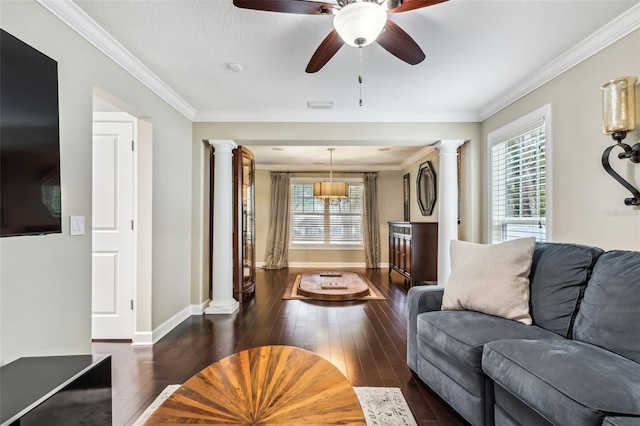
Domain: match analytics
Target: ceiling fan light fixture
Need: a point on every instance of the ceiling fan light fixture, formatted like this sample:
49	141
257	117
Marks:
360	23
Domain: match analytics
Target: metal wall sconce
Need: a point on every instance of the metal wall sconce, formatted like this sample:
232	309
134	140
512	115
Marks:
619	117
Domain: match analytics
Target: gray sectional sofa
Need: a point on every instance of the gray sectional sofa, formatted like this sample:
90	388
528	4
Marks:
578	364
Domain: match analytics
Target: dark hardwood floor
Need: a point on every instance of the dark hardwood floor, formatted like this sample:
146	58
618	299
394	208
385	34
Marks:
365	340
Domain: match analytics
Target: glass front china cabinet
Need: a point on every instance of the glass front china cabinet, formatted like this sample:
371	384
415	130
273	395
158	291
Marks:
244	221
244	262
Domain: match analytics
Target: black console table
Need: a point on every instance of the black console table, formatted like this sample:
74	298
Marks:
56	390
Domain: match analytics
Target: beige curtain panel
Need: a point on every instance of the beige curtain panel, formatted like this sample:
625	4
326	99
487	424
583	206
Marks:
370	225
278	242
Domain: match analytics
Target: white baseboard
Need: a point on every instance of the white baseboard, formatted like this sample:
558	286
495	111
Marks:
164	328
199	309
151	338
142	338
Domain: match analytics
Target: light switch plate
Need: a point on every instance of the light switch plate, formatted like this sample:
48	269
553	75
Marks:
76	225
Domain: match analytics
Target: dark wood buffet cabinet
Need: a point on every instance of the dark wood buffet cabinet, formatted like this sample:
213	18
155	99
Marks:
413	251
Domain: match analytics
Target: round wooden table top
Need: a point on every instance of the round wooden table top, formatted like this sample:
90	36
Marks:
264	385
332	286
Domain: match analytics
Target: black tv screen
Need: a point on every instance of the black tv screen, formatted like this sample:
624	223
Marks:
30	196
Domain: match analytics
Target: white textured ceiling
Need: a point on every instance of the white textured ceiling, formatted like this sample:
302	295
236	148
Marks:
477	53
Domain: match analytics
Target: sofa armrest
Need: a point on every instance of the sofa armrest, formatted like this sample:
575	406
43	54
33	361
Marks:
419	299
424	298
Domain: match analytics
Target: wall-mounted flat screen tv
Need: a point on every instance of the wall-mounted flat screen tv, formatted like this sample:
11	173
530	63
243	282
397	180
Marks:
30	196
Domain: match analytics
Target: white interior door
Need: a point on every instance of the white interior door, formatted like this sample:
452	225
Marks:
112	260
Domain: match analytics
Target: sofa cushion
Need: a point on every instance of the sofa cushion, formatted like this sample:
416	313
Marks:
493	279
609	314
475	404
461	334
621	421
509	410
566	381
470	380
559	274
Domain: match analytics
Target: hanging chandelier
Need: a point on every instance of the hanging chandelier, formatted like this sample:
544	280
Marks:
331	193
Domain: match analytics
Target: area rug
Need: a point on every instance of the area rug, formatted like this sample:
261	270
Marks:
291	293
381	406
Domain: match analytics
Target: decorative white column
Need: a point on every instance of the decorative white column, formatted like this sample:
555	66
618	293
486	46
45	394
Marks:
447	204
222	301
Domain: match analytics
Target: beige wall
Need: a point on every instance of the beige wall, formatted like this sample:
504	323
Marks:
587	204
263	204
45	281
390	207
200	222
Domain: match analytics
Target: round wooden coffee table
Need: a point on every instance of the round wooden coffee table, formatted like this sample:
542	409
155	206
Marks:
332	286
264	385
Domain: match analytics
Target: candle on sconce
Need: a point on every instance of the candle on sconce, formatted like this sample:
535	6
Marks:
618	105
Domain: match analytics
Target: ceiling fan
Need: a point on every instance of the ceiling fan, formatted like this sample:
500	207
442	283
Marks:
356	23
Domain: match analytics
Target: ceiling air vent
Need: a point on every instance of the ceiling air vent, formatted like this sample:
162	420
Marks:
320	104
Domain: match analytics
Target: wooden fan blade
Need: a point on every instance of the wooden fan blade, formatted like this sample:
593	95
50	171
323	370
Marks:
400	44
414	4
327	49
301	7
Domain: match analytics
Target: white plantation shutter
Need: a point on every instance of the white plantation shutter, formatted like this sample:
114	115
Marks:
314	224
519	185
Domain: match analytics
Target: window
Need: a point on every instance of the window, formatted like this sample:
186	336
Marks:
314	225
519	178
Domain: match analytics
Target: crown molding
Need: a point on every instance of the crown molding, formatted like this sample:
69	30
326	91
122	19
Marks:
623	25
417	156
74	17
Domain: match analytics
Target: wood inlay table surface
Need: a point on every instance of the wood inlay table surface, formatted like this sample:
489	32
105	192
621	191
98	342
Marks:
264	385
319	286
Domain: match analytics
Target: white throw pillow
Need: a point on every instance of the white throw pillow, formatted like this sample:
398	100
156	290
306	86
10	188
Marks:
492	279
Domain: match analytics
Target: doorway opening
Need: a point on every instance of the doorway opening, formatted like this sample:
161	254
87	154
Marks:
121	222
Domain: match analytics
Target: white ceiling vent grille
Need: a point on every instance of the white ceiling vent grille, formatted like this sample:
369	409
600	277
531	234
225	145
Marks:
320	104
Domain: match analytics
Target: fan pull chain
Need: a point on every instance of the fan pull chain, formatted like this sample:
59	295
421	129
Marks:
360	74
